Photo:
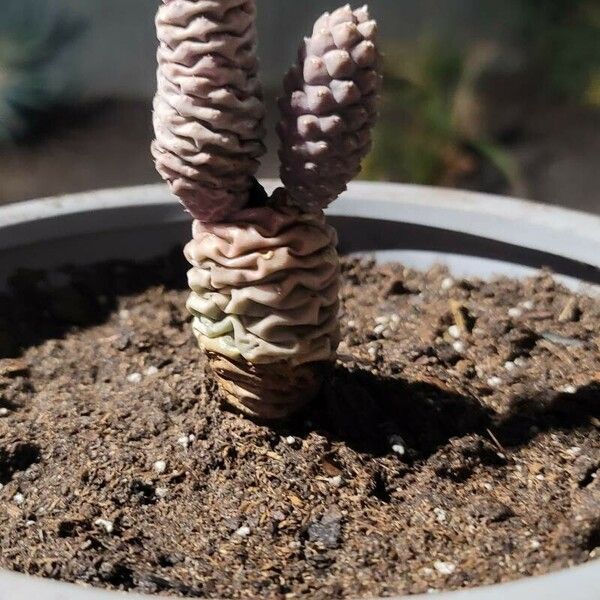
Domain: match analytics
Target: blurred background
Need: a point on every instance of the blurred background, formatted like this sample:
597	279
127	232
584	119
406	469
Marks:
500	97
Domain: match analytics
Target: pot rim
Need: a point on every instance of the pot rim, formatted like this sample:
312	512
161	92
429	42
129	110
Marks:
547	228
567	233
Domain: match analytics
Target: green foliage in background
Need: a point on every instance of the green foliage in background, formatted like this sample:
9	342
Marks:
429	131
563	37
33	34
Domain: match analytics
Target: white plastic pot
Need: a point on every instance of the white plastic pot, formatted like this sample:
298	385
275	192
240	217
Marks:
475	234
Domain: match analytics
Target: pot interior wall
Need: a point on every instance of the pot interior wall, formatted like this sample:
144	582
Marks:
417	246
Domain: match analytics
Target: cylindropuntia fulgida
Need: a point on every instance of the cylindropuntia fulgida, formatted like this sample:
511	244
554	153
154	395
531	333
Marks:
265	272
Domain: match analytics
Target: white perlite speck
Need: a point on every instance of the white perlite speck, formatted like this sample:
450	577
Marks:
454	331
161	492
398	449
444	567
335	481
134	378
494	381
569	389
515	312
160	466
458	346
3	411
186	440
151	371
290	440
447	283
18	499
243	531
440	514
527	305
398	445
107	525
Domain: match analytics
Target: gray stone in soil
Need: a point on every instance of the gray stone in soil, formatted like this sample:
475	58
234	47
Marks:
328	530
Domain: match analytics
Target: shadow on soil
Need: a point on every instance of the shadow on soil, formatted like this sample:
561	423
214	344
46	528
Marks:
369	413
46	305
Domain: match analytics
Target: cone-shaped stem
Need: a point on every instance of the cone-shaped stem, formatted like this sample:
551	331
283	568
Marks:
267	392
265	302
329	107
208	110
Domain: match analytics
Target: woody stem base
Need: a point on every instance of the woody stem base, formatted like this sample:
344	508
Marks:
267	391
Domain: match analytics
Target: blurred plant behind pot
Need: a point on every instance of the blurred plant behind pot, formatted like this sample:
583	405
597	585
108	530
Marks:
562	38
439	126
34	35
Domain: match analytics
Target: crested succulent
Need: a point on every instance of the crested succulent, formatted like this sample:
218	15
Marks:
265	299
329	107
265	272
208	110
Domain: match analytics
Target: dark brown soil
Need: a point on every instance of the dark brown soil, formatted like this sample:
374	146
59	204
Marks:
457	444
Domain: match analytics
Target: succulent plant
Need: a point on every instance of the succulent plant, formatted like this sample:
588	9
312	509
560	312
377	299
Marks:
265	293
329	107
208	110
33	33
265	272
